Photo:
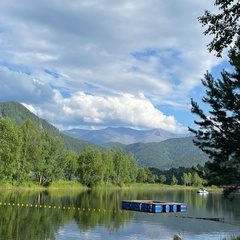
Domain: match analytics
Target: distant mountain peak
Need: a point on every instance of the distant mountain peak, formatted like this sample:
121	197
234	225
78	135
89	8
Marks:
123	135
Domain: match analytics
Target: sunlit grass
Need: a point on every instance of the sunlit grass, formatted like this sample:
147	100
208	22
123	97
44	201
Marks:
16	185
76	184
66	184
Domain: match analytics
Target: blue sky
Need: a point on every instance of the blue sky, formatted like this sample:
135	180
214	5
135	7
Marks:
98	63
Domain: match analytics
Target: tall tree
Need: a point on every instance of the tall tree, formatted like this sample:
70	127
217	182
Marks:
219	129
71	164
185	179
10	150
91	168
196	180
30	136
120	166
224	25
125	167
108	162
162	178
132	168
174	180
47	161
142	175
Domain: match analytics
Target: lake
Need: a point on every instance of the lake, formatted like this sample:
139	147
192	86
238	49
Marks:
97	214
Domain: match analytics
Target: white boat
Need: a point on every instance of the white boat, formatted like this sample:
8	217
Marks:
202	191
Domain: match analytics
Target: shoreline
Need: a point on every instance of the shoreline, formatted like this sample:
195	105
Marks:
62	185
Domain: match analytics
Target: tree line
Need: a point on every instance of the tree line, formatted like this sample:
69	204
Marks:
29	154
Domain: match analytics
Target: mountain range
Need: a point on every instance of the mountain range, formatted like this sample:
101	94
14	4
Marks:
153	148
122	135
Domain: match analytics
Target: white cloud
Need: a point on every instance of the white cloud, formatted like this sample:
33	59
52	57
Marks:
98	111
104	53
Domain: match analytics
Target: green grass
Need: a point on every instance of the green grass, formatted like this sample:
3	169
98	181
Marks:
16	185
34	185
173	187
66	184
76	184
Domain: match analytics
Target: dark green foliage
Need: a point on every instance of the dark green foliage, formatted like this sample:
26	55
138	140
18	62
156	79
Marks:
10	150
28	153
224	25
125	167
174	180
163	155
219	129
168	154
182	176
144	175
113	166
90	167
19	114
32	149
71	164
46	156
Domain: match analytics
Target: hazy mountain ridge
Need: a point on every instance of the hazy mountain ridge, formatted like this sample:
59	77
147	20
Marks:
123	135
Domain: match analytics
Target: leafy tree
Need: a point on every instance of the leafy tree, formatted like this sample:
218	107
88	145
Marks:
190	178
196	179
132	168
108	162
145	175
121	167
162	178
10	150
90	171
185	179
219	130
224	25
47	161
142	175
71	164
30	135
174	180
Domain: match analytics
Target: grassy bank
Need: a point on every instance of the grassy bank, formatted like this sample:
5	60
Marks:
36	186
170	187
77	185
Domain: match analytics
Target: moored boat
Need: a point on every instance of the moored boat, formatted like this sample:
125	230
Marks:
202	191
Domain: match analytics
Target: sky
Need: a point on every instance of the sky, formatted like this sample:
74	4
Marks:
102	63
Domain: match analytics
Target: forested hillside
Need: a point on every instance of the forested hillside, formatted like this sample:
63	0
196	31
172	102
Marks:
171	153
18	114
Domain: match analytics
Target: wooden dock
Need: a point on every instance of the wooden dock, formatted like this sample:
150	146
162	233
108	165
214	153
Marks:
153	206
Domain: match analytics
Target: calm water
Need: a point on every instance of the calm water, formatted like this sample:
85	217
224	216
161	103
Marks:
97	215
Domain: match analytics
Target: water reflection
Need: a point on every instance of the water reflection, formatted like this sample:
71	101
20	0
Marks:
50	214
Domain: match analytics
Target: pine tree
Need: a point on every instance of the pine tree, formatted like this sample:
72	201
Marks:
224	25
219	130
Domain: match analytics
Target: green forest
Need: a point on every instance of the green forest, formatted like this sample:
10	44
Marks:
29	154
171	153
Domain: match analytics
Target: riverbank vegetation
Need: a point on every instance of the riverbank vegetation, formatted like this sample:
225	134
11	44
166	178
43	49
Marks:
31	157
